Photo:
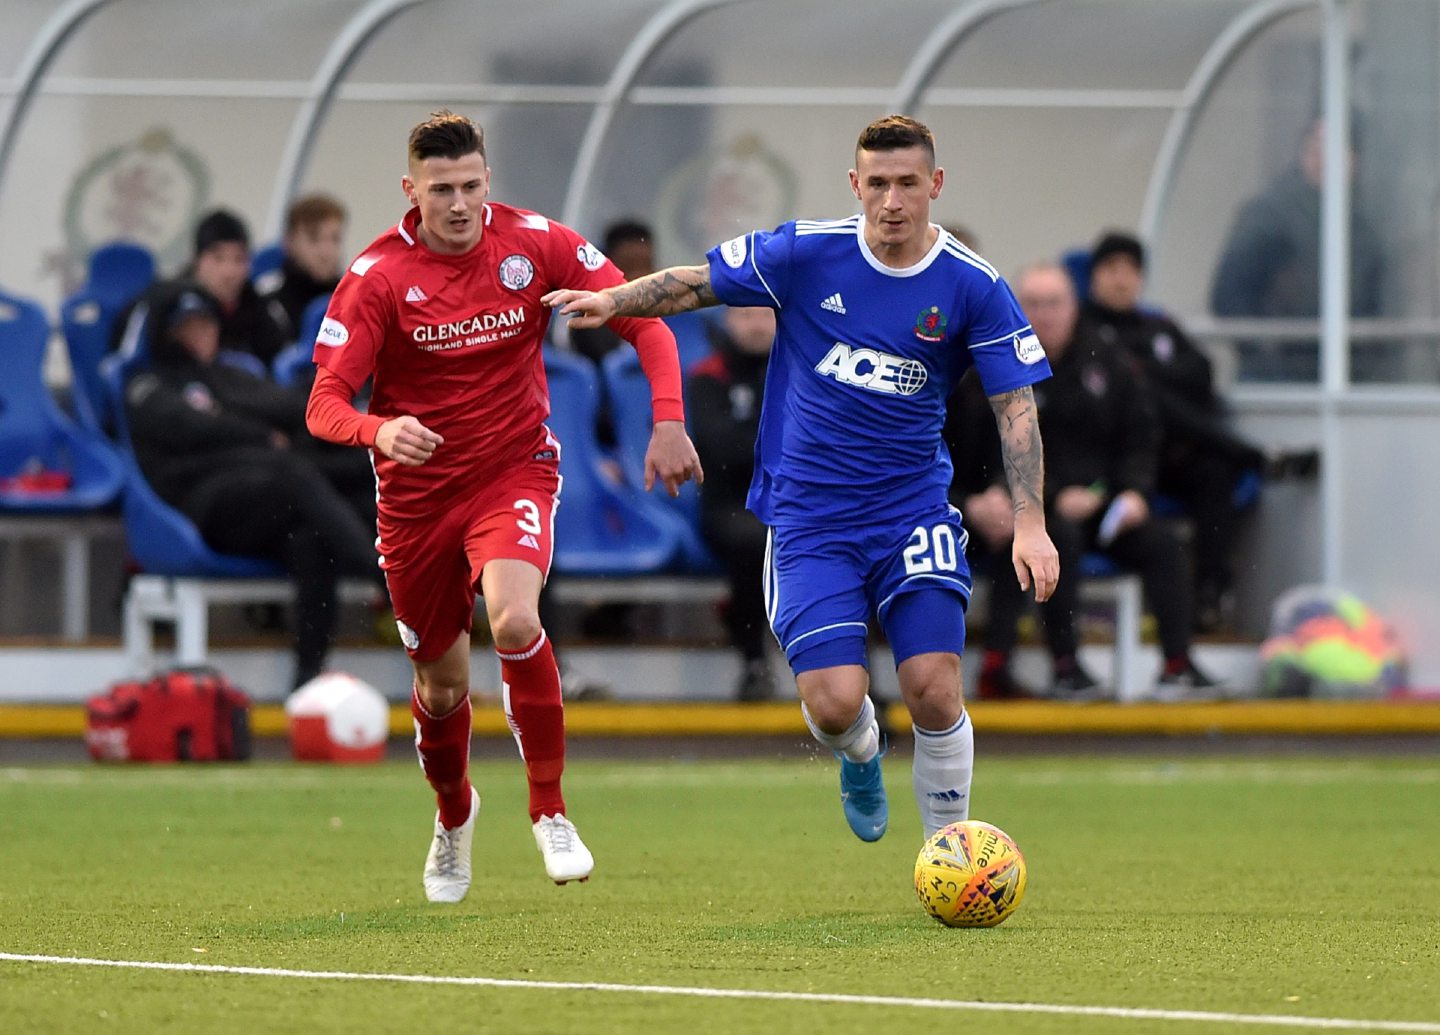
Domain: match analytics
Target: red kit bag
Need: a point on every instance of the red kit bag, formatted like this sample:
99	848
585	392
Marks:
181	715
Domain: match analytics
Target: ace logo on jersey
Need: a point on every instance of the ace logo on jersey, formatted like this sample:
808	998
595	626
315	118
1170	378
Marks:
876	371
516	272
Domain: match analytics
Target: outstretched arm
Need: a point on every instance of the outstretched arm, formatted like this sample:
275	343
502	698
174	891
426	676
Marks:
1033	554
664	293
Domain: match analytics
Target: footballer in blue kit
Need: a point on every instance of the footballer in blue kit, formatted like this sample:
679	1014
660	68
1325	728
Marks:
877	317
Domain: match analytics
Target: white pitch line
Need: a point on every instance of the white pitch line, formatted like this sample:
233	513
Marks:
1125	1013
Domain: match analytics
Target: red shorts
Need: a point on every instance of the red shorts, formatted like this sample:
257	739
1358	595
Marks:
433	568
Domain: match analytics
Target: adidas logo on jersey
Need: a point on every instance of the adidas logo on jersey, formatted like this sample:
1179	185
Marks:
834	304
528	540
415	295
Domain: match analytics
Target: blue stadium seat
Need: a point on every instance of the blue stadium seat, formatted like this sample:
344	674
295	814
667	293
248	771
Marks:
692	337
117	273
288	363
629	393
35	436
601	528
266	260
246	361
1099	566
162	540
1077	263
1243	496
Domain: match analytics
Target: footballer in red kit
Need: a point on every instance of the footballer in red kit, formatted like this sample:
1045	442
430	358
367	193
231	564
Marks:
444	312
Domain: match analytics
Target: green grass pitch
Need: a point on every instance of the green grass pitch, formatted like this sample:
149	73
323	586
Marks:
1294	887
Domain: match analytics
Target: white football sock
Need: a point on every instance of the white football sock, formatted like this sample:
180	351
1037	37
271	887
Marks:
859	743
944	762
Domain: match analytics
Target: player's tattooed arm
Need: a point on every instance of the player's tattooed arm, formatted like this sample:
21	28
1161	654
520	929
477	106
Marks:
674	290
1020	446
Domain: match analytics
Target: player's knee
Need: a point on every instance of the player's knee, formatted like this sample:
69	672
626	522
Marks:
440	692
514	627
833	697
930	684
833	712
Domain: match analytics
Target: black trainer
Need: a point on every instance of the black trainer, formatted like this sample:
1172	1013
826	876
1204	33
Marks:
1073	683
1182	682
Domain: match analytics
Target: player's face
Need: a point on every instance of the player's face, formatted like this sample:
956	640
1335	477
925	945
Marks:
451	194
895	189
1048	299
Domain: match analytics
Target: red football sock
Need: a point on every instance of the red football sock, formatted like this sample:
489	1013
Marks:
443	744
537	718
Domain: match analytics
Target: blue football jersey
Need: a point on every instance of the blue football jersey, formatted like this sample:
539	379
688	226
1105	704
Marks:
864	359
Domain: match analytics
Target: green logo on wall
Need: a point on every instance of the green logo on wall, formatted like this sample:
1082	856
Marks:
149	191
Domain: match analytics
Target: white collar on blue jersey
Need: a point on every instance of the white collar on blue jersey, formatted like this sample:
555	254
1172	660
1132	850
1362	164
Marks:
908	271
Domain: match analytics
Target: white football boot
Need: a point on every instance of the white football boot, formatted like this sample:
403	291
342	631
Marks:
566	857
447	867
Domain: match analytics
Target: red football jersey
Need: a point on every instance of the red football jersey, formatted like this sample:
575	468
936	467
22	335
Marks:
454	341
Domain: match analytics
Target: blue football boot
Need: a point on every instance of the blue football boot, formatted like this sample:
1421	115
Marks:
862	793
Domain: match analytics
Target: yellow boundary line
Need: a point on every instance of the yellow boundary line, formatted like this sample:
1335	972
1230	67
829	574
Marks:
783	717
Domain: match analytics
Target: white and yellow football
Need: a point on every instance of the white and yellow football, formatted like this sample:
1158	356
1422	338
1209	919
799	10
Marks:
970	874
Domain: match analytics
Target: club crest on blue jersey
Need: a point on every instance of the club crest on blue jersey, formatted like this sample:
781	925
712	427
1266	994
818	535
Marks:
516	272
930	324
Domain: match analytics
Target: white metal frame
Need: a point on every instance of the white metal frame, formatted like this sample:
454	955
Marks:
338	60
911	91
53	35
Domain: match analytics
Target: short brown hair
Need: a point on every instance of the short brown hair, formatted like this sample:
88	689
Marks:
895	133
312	210
446	135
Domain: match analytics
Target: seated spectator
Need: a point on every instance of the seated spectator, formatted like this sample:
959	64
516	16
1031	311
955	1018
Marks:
221	267
1100	432
220	445
312	263
1201	459
724	394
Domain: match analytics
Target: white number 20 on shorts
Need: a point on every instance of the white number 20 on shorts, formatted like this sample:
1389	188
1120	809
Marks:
931	549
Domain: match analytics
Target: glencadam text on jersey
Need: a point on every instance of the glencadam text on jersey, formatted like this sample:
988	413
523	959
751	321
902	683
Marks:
443	335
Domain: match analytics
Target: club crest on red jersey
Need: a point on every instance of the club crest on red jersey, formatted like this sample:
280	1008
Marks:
516	272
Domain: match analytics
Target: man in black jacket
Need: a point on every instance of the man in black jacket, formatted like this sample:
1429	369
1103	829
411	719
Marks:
1201	459
723	400
227	449
1100	435
221	268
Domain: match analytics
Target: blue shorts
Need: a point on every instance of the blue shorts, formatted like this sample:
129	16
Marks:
822	584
